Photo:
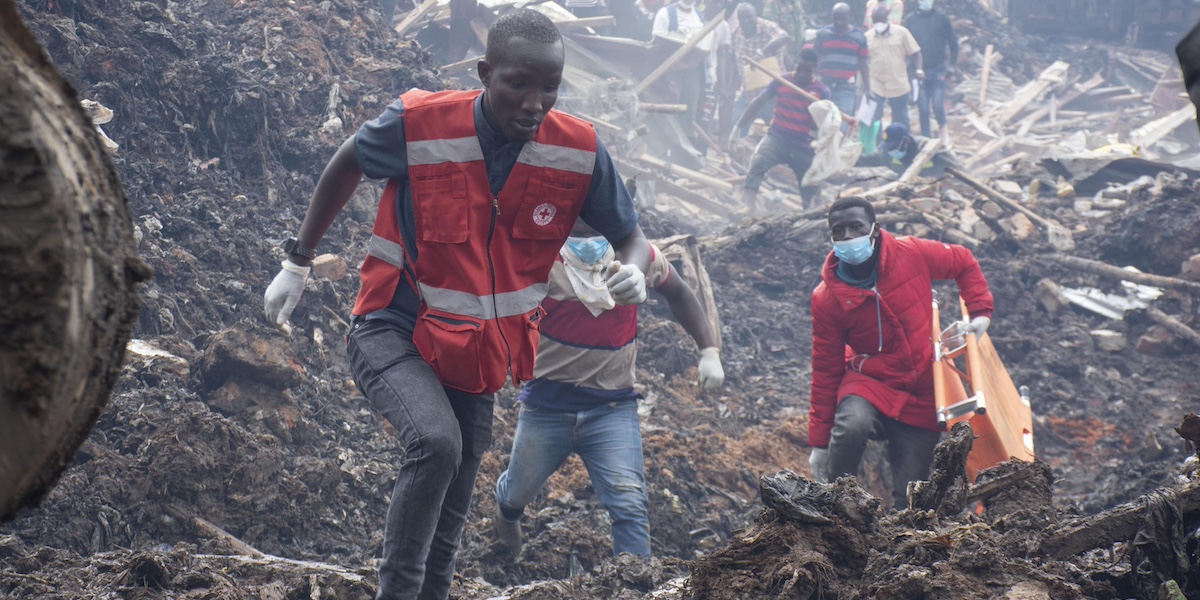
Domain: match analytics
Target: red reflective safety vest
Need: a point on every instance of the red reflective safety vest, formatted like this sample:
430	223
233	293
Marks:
483	262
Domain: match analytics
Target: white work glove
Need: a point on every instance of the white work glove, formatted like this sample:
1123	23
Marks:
626	283
711	373
284	294
977	326
818	463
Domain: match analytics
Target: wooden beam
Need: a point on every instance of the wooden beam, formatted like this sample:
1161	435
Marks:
918	163
603	21
1030	91
1056	234
1116	524
655	107
1154	131
1174	325
462	64
1077	92
987	71
678	55
795	88
1106	270
411	19
698	177
987	150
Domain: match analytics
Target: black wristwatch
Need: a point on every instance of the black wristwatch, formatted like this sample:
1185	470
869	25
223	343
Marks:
293	248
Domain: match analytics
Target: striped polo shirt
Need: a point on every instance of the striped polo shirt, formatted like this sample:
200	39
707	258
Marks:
838	54
584	361
792	120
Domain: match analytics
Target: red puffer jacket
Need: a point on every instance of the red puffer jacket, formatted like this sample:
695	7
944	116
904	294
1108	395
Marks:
877	344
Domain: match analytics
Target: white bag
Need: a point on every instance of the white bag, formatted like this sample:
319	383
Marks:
835	152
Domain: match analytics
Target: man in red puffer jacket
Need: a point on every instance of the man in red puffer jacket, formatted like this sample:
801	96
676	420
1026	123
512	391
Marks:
872	355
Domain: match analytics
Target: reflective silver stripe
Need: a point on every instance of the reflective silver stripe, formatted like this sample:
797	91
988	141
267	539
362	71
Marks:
386	250
433	152
464	303
558	157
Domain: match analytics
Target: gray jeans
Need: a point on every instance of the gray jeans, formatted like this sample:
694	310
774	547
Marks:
444	433
910	449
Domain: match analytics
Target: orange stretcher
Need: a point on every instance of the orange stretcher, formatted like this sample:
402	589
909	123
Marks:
980	391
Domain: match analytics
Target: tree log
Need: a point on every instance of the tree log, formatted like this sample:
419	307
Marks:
70	268
1113	525
1106	270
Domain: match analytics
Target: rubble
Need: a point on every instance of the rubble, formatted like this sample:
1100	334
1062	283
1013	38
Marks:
262	446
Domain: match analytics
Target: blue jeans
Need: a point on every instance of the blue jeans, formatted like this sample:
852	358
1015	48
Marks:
933	91
910	449
444	433
609	442
843	94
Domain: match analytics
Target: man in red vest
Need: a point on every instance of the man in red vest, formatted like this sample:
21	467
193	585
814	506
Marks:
483	189
872	351
789	138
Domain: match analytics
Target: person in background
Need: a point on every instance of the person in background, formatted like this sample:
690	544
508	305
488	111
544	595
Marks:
872	356
789	15
581	399
789	139
895	10
682	18
900	148
892	50
483	189
842	56
755	38
939	54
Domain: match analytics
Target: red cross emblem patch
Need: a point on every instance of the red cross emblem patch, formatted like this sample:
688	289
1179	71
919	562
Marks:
544	213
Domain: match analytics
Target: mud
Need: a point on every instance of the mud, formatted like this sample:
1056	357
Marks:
223	113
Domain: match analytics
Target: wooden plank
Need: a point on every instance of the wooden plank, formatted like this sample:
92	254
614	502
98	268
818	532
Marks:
918	163
987	150
987	71
995	166
460	65
604	21
1106	270
1056	234
654	107
696	176
1153	132
411	19
1076	92
1030	91
678	55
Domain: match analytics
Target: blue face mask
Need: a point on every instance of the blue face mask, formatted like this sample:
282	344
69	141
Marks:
855	251
589	250
896	154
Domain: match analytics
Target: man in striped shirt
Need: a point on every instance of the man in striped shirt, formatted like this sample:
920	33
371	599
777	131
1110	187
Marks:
789	139
581	399
841	56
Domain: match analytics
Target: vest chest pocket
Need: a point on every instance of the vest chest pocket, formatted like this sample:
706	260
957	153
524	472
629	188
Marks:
546	212
440	203
451	344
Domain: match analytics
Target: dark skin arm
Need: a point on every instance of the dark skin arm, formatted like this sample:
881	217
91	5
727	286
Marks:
337	184
753	108
633	249
686	308
774	45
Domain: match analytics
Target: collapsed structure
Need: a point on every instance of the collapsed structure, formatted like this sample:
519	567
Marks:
234	462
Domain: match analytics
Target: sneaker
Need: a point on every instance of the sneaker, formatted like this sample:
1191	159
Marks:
945	137
508	532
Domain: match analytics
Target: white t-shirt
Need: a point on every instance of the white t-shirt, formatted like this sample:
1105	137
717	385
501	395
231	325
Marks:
689	21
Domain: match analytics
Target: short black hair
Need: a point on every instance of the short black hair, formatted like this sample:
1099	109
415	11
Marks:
523	23
850	202
809	55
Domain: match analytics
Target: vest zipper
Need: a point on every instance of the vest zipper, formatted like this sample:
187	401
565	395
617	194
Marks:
878	316
492	273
